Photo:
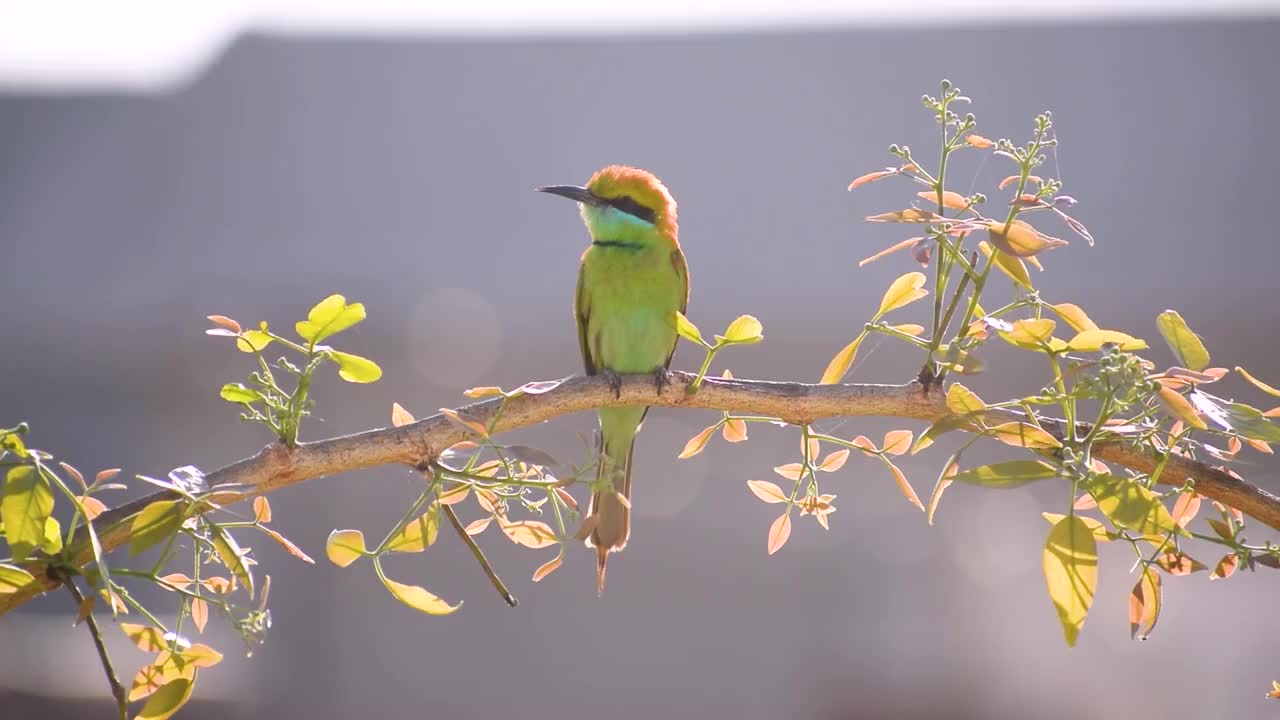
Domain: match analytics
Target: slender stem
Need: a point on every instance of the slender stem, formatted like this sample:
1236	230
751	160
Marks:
117	690
480	558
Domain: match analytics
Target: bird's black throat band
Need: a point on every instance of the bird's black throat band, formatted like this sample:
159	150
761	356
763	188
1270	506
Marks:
621	244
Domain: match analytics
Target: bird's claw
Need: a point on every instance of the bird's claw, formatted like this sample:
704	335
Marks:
614	380
661	379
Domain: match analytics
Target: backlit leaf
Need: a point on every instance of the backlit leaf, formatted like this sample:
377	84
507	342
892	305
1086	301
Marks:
418	534
1074	317
225	322
355	369
51	543
399	416
231	556
329	317
697	443
896	442
909	328
547	568
1186	345
745	329
1097	528
538	387
238	393
288	545
1144	604
836	460
1249	422
953	200
166	701
735	430
253	341
146	637
1185	508
872	177
13	578
1178	563
1009	474
1029	333
1093	340
1179	407
779	532
841	363
790	471
767	491
944	481
199	613
344	547
1226	567
1014	267
907	491
1020	434
978	141
1071	573
961	400
419	598
465	420
1021	239
889	250
1264	387
261	509
940	427
1129	505
910	215
27	503
905	290
688	330
155	524
529	533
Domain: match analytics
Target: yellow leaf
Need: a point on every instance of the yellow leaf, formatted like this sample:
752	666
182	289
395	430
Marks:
896	442
400	416
962	401
904	290
903	485
1184	343
779	532
767	491
1093	340
1130	505
547	568
1258	383
344	547
697	443
167	700
910	215
1009	265
944	481
529	533
1071	573
1178	406
253	341
687	330
1031	334
329	317
841	363
1074	317
1097	528
745	329
419	534
1020	239
418	598
1021	434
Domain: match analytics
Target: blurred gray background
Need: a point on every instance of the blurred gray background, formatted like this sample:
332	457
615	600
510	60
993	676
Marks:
399	172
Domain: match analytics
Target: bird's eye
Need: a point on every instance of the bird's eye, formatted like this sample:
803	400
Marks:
628	204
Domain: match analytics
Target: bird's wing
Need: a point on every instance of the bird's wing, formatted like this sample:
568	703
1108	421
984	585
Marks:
581	313
681	266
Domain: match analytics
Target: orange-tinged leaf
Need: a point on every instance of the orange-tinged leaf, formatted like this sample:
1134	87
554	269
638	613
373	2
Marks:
177	580
93	507
1179	563
896	442
225	323
165	668
454	495
418	534
216	584
475	527
767	491
566	498
779	532
1144	604
261	509
465	421
487	501
1185	508
790	471
903	291
529	533
1226	567
903	485
419	598
735	430
950	199
1093	340
86	609
548	567
834	461
872	177
1020	434
114	601
1264	387
147	638
902	245
978	141
1014	178
1084	502
910	215
344	547
962	401
909	328
1020	239
843	360
70	470
199	613
1071	572
1014	267
288	545
811	447
1179	407
944	482
1259	446
399	416
697	442
863	442
1074	316
480	392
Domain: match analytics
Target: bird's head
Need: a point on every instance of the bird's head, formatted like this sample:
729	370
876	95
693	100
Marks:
621	202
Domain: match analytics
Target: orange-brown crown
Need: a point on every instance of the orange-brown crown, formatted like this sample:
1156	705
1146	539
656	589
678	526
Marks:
617	182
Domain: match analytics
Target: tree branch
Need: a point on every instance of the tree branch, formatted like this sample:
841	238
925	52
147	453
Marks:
420	443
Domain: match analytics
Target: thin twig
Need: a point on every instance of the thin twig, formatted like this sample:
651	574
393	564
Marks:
117	690
480	558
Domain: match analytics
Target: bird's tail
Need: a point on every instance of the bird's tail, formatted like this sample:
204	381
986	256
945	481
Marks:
611	502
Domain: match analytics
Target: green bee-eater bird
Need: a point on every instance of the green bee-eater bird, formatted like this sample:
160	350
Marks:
632	281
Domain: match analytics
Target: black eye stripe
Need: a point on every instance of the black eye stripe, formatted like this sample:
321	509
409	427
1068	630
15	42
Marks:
628	205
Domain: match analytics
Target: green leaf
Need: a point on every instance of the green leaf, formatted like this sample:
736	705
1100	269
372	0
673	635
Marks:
28	501
154	524
1093	340
688	330
940	427
13	578
253	340
419	534
1251	423
418	598
744	330
344	547
1011	474
329	317
230	554
52	541
12	441
1185	344
166	701
238	393
355	369
1071	572
1128	504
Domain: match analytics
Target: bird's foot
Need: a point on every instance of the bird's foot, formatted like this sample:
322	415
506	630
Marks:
661	379
614	380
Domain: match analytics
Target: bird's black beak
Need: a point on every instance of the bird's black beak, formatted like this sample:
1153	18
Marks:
573	192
